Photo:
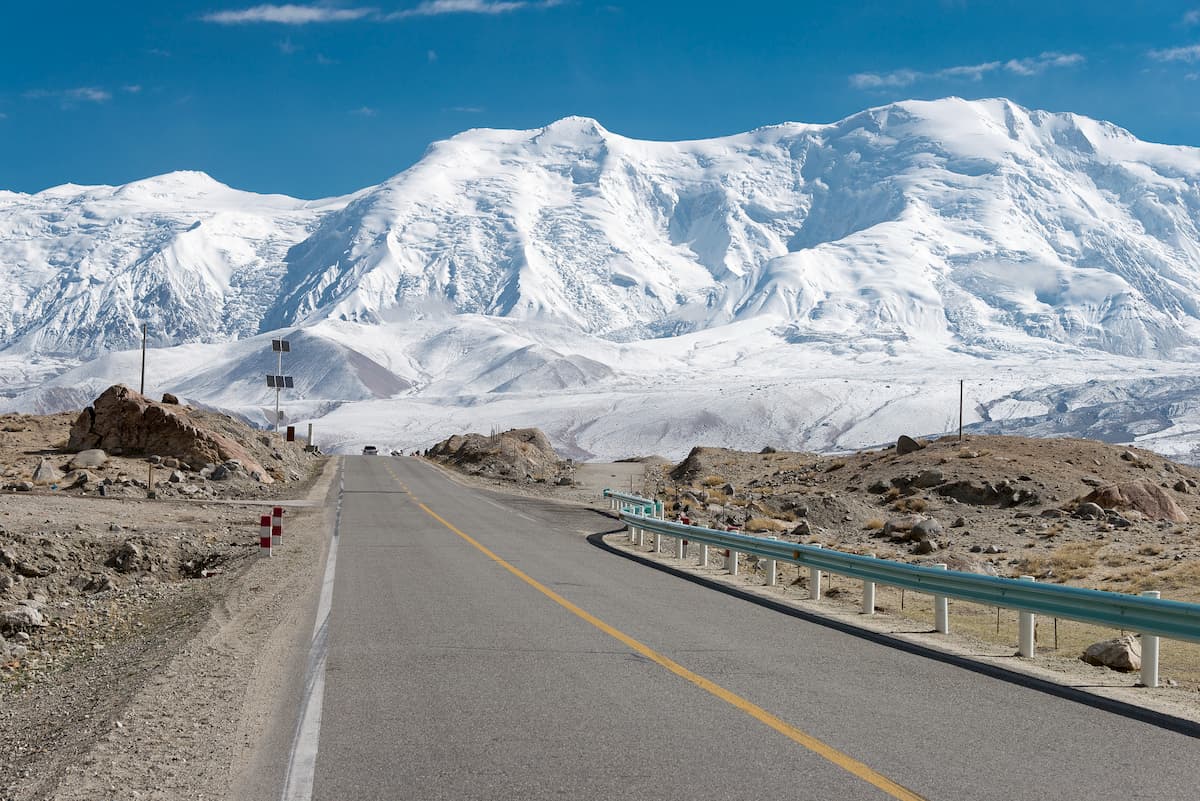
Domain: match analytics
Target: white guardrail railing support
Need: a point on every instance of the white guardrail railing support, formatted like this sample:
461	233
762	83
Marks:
1026	626
771	569
868	604
814	579
941	608
1150	651
1147	614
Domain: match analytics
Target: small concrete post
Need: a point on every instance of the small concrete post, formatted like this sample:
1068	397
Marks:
277	527
731	562
703	556
1025	628
771	571
868	606
680	547
310	436
658	542
641	537
814	580
1150	650
941	608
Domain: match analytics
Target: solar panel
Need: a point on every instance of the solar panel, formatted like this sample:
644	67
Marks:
281	346
287	381
271	381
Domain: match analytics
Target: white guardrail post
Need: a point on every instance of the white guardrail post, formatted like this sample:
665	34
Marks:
868	606
814	580
941	608
771	571
1025	628
1150	651
1149	615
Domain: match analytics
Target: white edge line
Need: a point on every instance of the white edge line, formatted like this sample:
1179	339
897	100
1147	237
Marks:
302	761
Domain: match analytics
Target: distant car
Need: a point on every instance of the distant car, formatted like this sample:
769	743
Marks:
370	450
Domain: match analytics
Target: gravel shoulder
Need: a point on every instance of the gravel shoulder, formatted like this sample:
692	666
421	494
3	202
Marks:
162	687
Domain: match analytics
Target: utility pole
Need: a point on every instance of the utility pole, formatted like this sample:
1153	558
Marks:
960	408
279	381
143	387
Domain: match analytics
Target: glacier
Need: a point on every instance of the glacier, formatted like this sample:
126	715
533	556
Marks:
820	286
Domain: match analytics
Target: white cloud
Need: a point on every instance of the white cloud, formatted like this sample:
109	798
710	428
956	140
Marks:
288	14
1187	54
468	109
432	8
132	88
431	56
1192	17
89	94
971	72
365	111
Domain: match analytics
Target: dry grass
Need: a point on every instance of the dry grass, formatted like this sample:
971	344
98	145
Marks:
1072	560
712	481
765	524
911	505
874	524
892	494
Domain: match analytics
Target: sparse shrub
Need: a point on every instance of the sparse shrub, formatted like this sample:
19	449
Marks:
712	481
892	494
835	466
874	524
764	524
1149	550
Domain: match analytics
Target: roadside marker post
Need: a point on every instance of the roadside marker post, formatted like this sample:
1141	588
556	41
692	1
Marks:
277	527
264	536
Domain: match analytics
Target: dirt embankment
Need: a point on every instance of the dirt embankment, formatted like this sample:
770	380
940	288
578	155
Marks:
106	579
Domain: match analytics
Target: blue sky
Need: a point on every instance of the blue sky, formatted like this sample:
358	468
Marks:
317	99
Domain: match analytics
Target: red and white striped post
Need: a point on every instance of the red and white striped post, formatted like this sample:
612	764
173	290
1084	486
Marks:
264	536
277	527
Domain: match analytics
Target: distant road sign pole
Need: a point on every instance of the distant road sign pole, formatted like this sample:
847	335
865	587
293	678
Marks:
279	381
143	388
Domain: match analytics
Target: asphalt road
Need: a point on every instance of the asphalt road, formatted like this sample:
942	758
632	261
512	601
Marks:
480	647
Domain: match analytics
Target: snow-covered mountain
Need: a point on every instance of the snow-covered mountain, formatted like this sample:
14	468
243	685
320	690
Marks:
569	277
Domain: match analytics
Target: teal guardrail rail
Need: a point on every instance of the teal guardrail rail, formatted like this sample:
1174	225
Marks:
628	501
1173	619
1151	617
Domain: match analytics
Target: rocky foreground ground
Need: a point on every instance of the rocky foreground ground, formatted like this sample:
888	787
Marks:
112	557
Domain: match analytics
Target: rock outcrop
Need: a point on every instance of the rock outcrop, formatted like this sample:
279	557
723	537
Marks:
522	454
126	421
1142	496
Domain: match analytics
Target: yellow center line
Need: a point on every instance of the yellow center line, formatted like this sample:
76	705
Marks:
818	747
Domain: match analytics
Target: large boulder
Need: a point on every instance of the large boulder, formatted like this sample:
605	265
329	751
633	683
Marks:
47	473
1151	500
91	458
1122	653
124	419
906	444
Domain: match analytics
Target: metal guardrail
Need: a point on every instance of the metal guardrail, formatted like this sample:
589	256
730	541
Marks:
619	501
1146	614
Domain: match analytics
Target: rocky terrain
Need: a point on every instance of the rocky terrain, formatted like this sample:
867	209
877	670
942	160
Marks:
111	558
522	455
1059	509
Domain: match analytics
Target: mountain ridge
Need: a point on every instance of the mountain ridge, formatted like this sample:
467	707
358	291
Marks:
915	234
